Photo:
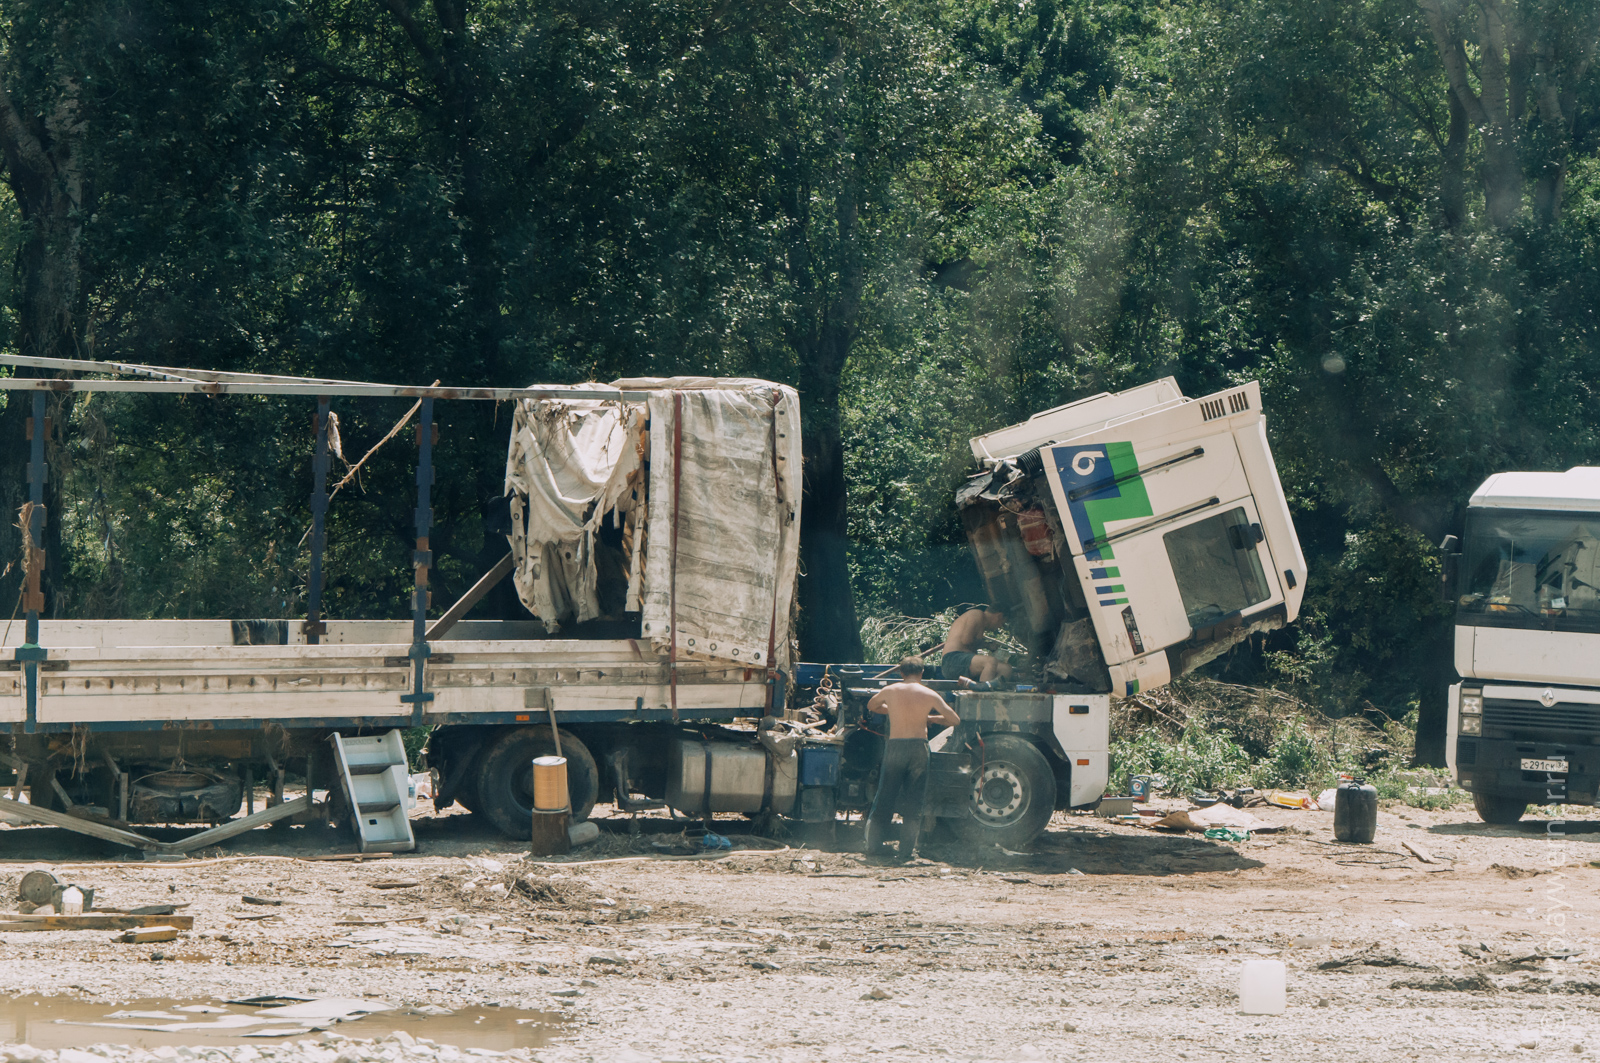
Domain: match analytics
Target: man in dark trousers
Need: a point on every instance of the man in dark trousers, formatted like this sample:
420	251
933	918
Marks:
903	778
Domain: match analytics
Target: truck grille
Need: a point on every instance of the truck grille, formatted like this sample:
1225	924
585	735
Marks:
1530	715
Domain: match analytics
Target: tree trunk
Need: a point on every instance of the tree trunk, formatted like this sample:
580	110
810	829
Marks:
829	630
45	173
1452	179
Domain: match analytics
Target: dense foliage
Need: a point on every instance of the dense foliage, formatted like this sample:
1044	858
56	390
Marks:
934	216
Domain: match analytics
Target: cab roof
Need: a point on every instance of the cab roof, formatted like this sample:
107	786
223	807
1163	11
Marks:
1577	488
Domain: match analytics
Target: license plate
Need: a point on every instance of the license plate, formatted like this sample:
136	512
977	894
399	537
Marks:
1544	765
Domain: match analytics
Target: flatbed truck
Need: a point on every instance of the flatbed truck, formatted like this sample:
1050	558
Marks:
1129	537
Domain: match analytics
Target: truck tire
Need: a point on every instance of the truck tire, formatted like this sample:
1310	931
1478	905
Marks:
505	779
1013	794
1494	808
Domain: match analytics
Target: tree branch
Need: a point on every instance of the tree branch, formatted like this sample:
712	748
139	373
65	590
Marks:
21	146
419	40
1454	58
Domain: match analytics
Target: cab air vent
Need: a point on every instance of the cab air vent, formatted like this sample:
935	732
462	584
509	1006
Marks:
1211	409
1238	402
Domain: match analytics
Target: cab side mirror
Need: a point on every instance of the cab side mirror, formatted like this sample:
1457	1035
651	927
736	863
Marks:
1450	559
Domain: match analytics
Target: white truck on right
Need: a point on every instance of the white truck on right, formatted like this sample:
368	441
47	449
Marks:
1524	723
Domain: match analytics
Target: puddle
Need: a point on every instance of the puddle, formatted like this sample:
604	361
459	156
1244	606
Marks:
70	1022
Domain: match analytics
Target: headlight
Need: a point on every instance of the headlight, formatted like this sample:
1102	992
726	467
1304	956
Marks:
1472	725
1472	703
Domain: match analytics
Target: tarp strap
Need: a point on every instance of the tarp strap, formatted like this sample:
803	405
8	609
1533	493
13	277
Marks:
772	631
672	592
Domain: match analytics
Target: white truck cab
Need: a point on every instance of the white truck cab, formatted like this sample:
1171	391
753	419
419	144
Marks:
1524	724
1134	536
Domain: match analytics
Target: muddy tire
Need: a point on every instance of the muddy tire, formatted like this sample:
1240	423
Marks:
1493	808
505	779
1013	794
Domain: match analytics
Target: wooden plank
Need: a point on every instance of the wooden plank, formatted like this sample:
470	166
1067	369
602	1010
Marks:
91	921
76	823
238	826
479	589
1419	852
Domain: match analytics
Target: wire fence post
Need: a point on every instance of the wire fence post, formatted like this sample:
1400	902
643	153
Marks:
313	626
30	654
421	561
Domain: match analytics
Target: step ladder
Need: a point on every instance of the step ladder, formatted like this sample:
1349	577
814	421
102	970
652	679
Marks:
377	785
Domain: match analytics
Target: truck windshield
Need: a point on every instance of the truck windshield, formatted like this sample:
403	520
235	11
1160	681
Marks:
1531	570
1217	567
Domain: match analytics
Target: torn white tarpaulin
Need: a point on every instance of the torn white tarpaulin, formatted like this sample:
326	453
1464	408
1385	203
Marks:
724	533
569	467
724	468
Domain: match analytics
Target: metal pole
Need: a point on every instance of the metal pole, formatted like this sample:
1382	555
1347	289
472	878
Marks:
30	653
313	627
421	561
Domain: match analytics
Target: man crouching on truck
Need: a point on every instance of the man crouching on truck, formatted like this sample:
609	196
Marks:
903	778
962	660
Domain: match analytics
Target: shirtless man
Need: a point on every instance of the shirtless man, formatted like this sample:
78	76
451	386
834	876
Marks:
903	778
962	659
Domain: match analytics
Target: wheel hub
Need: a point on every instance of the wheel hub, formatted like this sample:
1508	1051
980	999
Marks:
997	792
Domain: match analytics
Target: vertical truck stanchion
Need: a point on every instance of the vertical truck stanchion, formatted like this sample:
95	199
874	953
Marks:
30	654
313	627
421	560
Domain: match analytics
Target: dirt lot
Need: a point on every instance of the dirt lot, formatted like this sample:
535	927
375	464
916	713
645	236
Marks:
1106	942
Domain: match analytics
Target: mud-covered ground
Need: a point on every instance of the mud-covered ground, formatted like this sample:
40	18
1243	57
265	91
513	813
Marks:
1105	942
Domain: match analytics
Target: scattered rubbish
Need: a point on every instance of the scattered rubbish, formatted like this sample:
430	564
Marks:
1326	799
1262	987
1291	799
1218	815
142	935
1355	812
260	900
1111	807
1139	787
1200	800
714	841
1373	957
1073	871
40	890
1227	834
394	883
72	901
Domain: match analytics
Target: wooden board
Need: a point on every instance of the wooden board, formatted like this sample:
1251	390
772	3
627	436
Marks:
14	921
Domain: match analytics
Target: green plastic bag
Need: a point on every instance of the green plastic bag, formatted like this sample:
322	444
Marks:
1228	834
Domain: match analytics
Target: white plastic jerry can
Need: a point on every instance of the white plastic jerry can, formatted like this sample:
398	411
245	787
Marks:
1262	987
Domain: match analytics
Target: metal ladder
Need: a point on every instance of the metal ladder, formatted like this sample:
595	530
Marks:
377	785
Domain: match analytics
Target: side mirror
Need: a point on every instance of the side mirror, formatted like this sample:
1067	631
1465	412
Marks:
1450	563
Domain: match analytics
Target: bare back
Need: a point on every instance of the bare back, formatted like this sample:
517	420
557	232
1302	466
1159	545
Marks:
966	632
911	707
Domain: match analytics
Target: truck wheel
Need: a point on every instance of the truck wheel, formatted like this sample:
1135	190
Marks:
505	779
1493	808
1013	794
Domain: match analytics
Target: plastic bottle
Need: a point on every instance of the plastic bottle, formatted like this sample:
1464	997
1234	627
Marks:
1355	812
1262	989
72	901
